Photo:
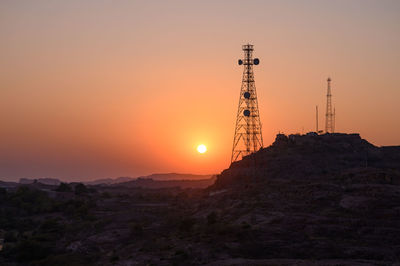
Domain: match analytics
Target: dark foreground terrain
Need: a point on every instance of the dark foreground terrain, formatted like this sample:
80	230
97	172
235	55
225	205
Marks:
306	200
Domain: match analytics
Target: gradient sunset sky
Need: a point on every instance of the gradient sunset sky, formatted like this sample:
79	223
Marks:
94	89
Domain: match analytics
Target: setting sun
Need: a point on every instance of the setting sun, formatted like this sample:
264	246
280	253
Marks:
202	148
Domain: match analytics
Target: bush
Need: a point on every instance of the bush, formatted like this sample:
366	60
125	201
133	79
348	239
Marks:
10	236
77	208
136	229
81	189
105	195
187	224
212	218
64	187
3	193
181	257
32	201
67	259
30	250
245	225
51	226
24	224
114	258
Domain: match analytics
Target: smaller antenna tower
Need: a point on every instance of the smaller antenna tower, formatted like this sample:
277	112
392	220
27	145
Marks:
329	122
316	118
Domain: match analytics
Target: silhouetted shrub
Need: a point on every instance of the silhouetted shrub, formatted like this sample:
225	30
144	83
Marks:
24	224
74	259
114	258
64	187
31	200
222	229
105	195
30	250
212	218
187	224
136	229
51	226
3	193
81	189
82	211
77	208
10	236
180	257
245	225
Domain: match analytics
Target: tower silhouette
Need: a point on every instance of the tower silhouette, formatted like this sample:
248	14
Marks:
248	135
329	120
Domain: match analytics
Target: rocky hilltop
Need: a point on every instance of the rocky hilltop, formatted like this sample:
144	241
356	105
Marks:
330	199
312	156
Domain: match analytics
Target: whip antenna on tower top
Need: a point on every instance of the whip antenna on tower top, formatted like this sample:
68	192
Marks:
248	135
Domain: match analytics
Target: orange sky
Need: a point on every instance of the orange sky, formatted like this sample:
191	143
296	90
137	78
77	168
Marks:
93	89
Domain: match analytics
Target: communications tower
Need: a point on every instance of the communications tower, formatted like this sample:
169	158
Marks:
248	135
329	120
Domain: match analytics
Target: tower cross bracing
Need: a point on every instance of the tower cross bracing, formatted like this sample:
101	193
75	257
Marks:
248	134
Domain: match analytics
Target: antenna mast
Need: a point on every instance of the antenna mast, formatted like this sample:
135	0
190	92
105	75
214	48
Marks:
316	118
329	122
248	135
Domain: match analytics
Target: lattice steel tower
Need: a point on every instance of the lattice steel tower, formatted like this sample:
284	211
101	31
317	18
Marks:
248	135
329	120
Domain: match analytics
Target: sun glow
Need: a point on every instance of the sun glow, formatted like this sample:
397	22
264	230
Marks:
201	148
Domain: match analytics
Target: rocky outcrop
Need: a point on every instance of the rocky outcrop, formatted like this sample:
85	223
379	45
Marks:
310	156
332	198
44	181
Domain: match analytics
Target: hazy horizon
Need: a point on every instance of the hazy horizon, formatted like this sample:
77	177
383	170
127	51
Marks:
111	177
99	89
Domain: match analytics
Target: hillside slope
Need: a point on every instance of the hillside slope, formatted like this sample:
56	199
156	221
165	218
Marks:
332	196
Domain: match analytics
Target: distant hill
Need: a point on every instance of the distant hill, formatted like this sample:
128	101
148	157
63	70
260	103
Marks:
4	184
45	181
154	184
176	176
158	177
109	181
